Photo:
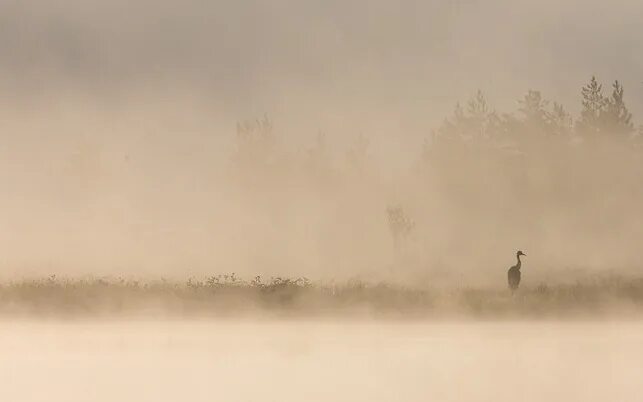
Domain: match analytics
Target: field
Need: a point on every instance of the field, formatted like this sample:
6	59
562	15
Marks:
230	296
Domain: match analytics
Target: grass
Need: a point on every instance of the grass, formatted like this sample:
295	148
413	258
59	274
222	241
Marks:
229	295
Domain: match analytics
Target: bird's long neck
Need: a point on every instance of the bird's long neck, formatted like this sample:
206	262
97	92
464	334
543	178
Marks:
519	262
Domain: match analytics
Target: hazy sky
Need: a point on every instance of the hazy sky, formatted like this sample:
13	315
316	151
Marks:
409	57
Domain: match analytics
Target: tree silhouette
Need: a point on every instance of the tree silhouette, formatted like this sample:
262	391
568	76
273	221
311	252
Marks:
560	121
475	123
400	224
533	106
594	104
255	142
602	115
616	117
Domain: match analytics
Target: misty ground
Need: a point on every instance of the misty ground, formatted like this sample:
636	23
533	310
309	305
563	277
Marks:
228	296
319	361
282	340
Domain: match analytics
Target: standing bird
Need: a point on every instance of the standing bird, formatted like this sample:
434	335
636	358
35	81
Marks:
513	275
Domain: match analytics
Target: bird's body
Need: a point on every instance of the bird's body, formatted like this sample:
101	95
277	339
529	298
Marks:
513	275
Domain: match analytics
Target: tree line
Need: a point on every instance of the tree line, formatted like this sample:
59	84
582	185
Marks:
602	116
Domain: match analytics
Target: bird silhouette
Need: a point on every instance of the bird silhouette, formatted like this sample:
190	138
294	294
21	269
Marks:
513	275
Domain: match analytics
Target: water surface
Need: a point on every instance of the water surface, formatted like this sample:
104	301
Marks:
320	361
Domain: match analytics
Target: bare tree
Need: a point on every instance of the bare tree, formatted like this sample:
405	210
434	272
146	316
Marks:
400	224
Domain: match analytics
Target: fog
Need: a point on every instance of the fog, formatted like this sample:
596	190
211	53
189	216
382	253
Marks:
119	153
398	154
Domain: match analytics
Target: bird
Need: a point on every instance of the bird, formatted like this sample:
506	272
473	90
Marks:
513	275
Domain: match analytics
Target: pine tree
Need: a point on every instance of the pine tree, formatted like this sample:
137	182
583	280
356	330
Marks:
594	105
604	116
616	118
468	125
559	120
533	106
539	119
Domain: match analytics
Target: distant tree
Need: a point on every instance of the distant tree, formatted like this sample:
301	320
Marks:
476	122
616	117
594	105
604	115
560	121
399	223
478	108
255	141
538	118
533	107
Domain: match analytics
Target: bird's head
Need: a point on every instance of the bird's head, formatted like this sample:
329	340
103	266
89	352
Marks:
519	253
